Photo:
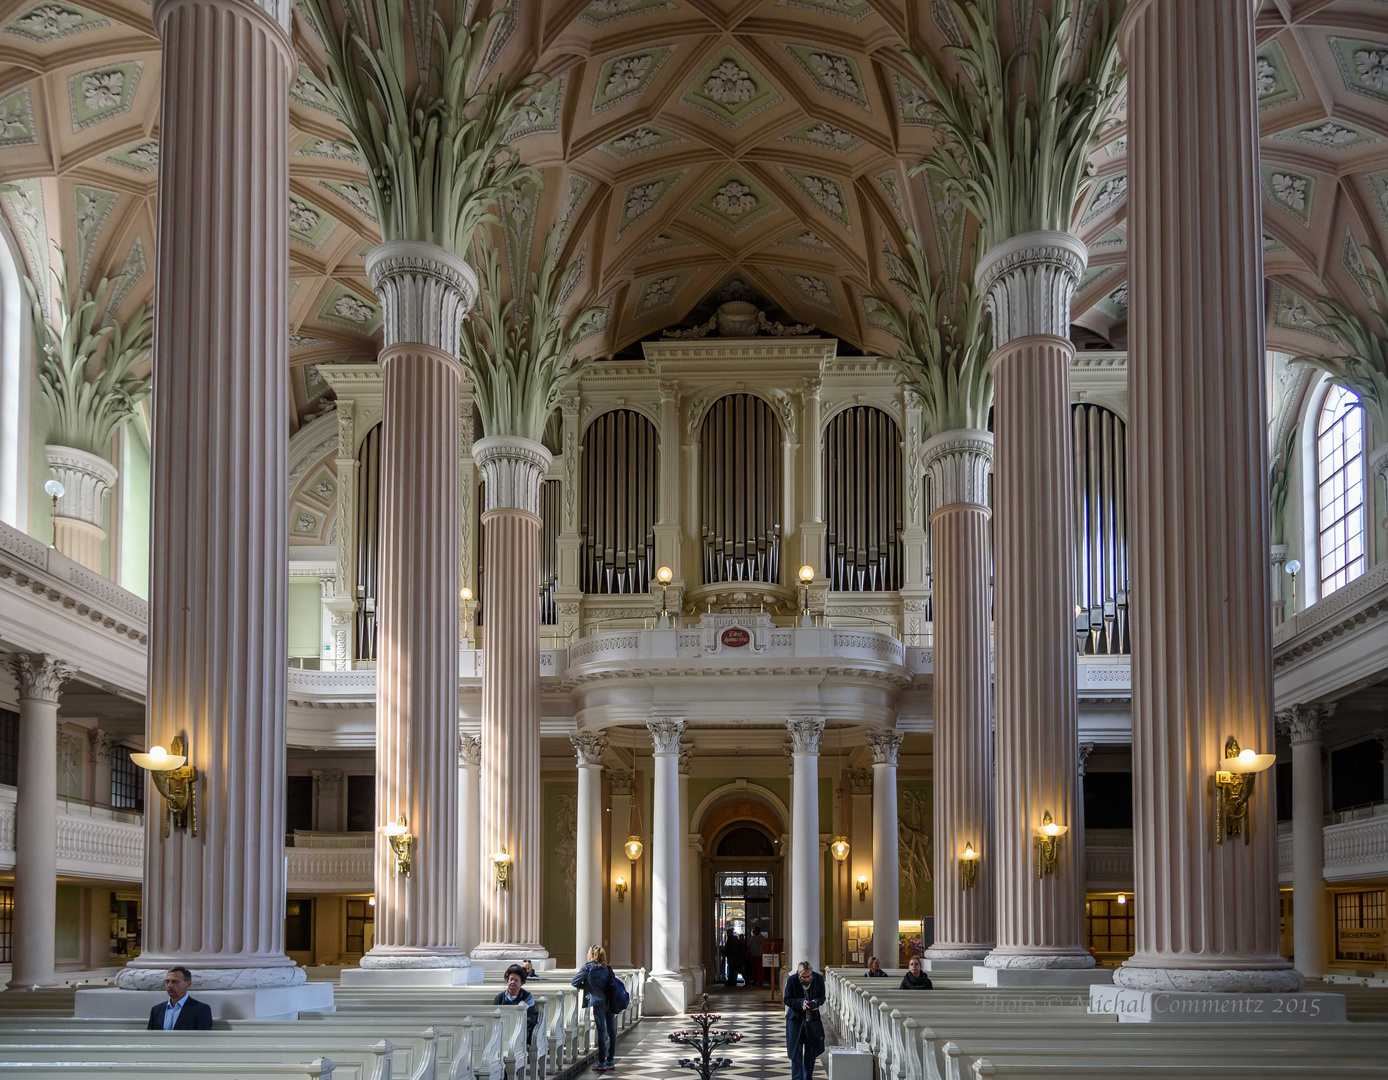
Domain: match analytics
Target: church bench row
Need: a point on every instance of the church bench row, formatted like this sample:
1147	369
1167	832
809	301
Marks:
318	1069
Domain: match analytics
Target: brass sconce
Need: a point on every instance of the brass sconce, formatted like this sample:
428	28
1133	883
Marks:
401	841
1047	843
806	578
968	867
664	575
502	862
862	886
621	889
1234	788
839	848
173	779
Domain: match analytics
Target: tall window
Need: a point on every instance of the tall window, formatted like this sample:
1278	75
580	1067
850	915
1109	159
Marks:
1340	483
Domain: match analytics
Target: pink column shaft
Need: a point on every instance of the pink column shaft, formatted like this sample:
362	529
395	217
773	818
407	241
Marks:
1206	913
219	531
1040	921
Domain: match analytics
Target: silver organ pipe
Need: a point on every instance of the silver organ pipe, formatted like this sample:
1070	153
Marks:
740	447
1101	530
368	531
863	501
620	470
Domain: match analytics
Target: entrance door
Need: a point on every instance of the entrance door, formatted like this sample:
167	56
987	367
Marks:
742	919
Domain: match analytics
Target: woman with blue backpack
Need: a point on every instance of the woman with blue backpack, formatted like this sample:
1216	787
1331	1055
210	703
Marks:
607	996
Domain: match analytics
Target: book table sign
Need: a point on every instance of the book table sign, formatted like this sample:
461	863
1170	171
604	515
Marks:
1194	1007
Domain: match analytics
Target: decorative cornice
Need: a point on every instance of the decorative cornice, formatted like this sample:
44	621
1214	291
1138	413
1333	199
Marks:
885	745
958	463
424	290
1304	723
1027	283
805	732
469	750
514	470
589	746
665	734
39	677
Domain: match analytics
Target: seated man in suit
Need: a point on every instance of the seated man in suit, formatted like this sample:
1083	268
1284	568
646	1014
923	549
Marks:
180	1012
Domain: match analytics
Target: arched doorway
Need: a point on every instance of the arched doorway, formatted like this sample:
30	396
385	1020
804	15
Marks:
742	829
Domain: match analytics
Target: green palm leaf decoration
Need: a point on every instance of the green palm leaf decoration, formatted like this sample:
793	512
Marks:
1363	367
86	373
945	359
518	351
1280	485
437	158
1018	136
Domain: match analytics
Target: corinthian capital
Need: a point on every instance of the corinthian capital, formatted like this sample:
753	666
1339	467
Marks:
469	750
1304	723
804	733
622	781
1027	283
665	733
589	746
514	470
958	463
425	291
39	677
885	745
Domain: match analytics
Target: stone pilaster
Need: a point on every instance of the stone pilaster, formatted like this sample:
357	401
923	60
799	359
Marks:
690	904
860	840
886	877
513	470
958	463
469	841
589	746
103	745
1303	726
424	292
668	996
39	679
1207	914
1028	282
79	529
218	614
621	783
805	923
1277	563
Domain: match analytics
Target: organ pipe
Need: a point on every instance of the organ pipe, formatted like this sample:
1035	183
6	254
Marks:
863	501
368	532
618	491
740	501
1101	531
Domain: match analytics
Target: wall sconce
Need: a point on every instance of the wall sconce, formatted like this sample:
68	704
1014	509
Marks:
1234	787
502	862
664	575
173	779
839	848
401	840
862	886
621	889
1047	841
1122	898
968	867
371	901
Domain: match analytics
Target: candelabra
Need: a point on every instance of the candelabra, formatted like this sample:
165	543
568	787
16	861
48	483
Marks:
705	1041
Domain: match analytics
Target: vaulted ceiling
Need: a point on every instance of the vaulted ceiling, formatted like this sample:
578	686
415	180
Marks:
694	149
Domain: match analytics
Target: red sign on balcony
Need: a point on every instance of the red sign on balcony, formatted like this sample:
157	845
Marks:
734	637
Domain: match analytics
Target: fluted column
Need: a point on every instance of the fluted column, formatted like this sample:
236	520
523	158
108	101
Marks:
958	463
805	928
621	783
1207	913
79	527
1028	282
341	605
666	846
589	746
513	470
38	679
218	609
886	876
469	840
1303	725
424	292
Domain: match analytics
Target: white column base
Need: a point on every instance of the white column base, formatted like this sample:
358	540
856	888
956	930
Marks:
1190	1007
666	995
1039	977
273	1003
1280	980
499	966
150	976
949	967
396	957
436	976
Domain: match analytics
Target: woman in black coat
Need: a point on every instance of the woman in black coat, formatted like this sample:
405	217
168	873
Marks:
803	996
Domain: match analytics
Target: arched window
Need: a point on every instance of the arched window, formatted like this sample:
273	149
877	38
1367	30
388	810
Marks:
1340	486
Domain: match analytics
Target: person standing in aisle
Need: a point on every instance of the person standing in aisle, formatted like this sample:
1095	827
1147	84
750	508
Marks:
803	996
595	979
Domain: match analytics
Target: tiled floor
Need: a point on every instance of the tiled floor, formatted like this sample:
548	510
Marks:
648	1054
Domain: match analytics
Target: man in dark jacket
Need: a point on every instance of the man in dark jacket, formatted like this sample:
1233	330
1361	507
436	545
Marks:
803	995
180	1012
516	994
915	978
